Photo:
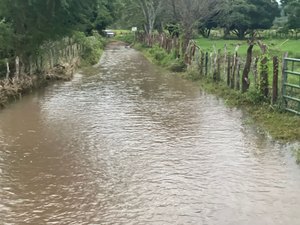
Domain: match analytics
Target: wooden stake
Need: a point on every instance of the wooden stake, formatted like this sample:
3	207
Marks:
275	80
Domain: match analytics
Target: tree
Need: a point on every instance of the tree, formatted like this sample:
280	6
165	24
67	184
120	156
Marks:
206	24
37	21
6	36
150	9
243	16
189	12
292	10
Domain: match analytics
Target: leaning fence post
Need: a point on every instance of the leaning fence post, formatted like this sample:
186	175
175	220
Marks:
275	80
245	78
234	66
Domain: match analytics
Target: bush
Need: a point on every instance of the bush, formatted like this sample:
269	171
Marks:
127	38
177	66
254	96
92	47
192	74
158	54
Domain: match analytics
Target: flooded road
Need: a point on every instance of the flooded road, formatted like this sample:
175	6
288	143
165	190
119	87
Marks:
129	144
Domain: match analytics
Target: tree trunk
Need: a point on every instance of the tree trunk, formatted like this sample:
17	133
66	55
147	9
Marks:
187	36
245	78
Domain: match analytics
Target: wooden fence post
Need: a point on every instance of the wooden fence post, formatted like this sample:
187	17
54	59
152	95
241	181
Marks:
201	63
255	71
218	75
215	66
264	81
238	76
284	68
17	64
234	68
7	69
210	63
228	69
225	59
275	80
206	63
245	78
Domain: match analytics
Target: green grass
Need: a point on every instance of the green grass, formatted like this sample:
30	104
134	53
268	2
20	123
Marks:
122	32
276	46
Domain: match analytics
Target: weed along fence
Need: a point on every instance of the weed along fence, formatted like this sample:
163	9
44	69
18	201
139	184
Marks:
55	60
258	75
291	84
51	56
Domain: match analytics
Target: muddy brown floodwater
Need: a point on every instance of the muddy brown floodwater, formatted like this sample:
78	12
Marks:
130	144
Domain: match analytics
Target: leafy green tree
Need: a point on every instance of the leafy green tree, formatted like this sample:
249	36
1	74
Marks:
243	16
208	23
37	21
292	10
189	12
6	35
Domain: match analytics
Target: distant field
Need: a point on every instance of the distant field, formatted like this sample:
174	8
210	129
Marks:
276	46
121	32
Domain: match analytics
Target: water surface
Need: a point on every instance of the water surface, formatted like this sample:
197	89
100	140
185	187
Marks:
130	144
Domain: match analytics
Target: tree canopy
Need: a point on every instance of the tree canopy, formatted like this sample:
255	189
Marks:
35	21
292	9
244	16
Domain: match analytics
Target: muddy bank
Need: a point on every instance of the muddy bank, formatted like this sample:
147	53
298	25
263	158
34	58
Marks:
14	88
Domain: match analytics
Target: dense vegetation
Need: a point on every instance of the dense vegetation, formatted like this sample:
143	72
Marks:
27	24
239	17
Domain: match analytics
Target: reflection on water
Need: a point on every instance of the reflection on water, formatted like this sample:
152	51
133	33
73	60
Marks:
130	145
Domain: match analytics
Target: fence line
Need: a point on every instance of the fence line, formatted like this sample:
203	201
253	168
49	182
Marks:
226	67
291	84
50	56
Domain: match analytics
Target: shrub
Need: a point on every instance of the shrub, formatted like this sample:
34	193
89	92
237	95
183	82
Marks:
92	47
177	66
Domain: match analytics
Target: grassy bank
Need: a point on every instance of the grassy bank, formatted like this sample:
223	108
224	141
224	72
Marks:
91	49
280	125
